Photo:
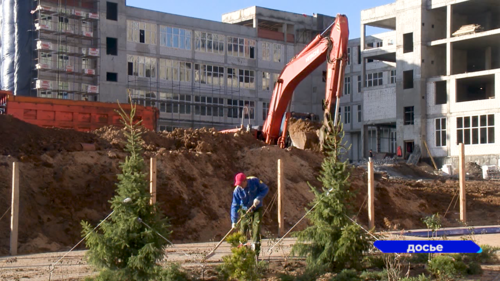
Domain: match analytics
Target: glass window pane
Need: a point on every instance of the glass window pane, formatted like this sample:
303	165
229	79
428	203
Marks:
467	122
491	135
438	124
475	136
484	137
443	123
460	138
475	121
443	138
491	120
483	120
467	136
459	122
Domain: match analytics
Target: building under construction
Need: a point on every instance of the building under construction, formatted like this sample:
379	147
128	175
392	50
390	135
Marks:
197	72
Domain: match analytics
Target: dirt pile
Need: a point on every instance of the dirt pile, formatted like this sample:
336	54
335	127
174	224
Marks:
21	139
304	133
473	170
61	187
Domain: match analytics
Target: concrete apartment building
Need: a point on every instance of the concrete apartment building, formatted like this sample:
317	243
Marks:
197	72
446	79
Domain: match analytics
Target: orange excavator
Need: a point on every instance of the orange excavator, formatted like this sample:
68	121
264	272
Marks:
333	50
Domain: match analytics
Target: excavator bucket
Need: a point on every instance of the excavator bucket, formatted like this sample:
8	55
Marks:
304	133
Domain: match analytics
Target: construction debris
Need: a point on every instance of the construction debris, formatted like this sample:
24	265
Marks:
468	29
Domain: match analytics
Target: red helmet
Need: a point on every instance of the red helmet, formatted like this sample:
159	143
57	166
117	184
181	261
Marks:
239	179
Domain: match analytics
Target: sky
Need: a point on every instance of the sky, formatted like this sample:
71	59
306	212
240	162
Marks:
213	10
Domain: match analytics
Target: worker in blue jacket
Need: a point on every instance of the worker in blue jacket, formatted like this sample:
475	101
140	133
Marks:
248	192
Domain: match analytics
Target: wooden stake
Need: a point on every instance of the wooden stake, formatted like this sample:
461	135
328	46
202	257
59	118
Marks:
371	195
430	155
14	212
462	182
152	180
281	187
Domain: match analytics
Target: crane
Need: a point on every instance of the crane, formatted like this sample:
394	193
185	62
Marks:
333	50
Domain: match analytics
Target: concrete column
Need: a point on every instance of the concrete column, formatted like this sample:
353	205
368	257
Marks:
362	47
487	57
449	20
449	59
256	24
285	31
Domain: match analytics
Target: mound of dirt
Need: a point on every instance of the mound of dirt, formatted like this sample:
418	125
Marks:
473	170
21	139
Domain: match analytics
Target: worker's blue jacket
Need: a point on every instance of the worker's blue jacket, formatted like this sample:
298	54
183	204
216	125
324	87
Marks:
244	196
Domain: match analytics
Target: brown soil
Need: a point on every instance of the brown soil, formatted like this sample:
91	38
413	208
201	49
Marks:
301	125
60	185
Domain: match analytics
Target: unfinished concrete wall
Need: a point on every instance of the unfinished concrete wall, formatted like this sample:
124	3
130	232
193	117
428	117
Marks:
379	105
113	91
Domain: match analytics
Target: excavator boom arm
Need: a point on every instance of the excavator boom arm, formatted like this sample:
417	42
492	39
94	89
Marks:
332	49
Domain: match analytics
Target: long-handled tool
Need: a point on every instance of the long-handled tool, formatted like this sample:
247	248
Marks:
224	238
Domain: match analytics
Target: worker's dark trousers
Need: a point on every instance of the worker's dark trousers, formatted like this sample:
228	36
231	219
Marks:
253	219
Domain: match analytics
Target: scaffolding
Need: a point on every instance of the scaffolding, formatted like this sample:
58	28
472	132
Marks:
218	106
67	49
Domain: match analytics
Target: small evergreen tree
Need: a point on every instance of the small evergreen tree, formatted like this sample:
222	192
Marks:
332	242
127	249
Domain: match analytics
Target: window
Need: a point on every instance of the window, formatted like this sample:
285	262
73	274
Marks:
209	106
266	81
359	83
440	129
348	56
377	44
141	66
173	37
111	46
265	110
111	11
167	128
374	79
87	63
46	59
476	129
45	94
441	94
347	85
408	79
238	107
266	51
144	98
359	113
173	70
240	47
247	79
347	115
409	115
209	74
408	43
209	43
112	76
277	52
175	103
393	77
141	32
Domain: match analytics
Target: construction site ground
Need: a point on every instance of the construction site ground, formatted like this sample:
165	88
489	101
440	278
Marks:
62	184
36	267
